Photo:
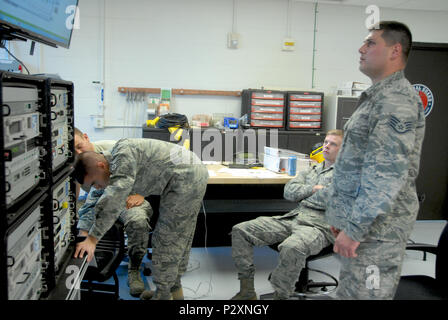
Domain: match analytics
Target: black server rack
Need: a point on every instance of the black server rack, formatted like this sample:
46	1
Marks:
30	184
23	184
60	218
304	110
264	108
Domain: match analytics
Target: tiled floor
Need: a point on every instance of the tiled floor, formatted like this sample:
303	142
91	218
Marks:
212	276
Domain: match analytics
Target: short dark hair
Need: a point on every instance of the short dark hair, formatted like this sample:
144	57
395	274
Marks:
395	32
84	163
79	170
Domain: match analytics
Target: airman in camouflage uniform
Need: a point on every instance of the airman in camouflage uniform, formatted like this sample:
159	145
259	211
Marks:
373	203
135	218
148	167
301	232
136	225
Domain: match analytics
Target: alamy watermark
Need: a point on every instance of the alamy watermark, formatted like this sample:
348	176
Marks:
373	19
72	21
73	281
373	278
229	145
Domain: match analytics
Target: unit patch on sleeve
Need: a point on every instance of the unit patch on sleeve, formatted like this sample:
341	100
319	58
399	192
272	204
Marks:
426	96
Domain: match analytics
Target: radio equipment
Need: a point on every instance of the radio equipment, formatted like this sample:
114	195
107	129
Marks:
59	126
24	259
61	220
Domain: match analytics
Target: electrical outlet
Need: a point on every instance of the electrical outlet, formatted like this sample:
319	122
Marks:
98	122
233	40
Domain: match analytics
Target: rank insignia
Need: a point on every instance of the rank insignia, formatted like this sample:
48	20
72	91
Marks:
400	126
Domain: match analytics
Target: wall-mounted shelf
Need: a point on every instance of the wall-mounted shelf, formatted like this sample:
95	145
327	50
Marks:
181	91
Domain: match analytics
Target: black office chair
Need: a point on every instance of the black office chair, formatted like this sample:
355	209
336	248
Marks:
305	287
420	287
109	253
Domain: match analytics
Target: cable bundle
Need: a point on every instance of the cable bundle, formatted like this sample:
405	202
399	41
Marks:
172	120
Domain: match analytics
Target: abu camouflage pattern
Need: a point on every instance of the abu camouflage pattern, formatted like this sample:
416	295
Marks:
153	167
137	215
373	196
135	220
141	166
302	231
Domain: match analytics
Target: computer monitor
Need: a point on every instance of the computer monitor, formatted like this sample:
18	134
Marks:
45	21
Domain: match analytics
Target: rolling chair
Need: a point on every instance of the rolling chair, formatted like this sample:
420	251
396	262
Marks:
304	286
109	253
421	287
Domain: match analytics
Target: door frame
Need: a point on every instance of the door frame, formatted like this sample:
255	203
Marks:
429	46
433	46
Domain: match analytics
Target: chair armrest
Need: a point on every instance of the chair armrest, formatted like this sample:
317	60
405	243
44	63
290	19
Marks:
423	247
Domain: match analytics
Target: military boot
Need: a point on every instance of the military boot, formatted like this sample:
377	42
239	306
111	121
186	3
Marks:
135	281
177	293
155	295
278	296
247	290
147	295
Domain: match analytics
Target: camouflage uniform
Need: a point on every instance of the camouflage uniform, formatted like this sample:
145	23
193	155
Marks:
302	231
136	220
103	145
154	167
373	197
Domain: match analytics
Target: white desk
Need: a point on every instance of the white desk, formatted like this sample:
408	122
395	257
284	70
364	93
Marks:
220	174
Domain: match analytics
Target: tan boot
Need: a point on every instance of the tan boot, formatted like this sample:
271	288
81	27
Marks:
177	293
278	296
155	295
247	290
136	285
147	295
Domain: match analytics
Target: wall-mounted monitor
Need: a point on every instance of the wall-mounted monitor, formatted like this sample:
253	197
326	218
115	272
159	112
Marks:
46	21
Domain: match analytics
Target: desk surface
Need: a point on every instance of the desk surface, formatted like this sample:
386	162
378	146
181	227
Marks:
220	174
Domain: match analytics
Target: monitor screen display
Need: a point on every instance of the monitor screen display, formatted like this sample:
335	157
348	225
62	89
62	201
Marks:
47	21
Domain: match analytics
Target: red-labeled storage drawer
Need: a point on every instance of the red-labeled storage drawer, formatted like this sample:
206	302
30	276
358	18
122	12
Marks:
262	102
304	110
264	108
301	117
294	103
278	109
267	123
304	124
266	116
268	95
306	97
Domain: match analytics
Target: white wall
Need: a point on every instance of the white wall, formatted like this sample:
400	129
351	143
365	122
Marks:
182	44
